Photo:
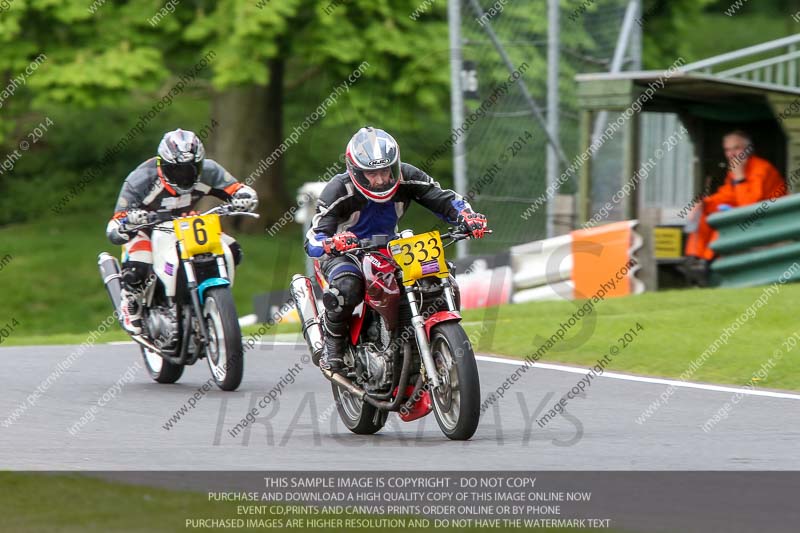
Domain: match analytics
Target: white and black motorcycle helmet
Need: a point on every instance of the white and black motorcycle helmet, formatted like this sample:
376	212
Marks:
180	157
373	149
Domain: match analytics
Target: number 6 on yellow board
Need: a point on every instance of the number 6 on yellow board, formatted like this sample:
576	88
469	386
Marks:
200	235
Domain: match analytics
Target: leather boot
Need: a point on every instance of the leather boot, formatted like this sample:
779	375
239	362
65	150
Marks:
335	344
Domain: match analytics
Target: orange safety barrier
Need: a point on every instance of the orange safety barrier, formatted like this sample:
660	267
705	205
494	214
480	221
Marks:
601	258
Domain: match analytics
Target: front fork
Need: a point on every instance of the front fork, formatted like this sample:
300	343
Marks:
191	285
418	323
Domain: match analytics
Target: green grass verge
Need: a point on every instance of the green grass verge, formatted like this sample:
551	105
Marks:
71	503
115	334
51	284
678	327
34	503
51	287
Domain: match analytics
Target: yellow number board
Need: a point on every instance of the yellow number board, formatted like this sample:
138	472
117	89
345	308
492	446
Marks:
668	242
200	235
420	256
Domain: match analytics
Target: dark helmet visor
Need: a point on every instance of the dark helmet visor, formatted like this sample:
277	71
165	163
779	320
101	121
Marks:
183	175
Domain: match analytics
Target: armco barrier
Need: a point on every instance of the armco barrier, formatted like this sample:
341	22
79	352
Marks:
757	243
573	265
542	270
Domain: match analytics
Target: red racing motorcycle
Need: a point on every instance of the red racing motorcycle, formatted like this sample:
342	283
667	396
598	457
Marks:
407	352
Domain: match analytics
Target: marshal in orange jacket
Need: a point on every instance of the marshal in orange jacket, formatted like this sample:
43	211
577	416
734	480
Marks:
762	181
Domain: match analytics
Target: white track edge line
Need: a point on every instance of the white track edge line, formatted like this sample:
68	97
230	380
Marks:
577	370
275	343
643	379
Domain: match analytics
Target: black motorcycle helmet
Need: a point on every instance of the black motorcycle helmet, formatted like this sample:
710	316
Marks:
180	157
373	149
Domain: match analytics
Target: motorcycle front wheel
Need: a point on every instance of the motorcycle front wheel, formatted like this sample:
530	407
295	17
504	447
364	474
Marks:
456	403
224	352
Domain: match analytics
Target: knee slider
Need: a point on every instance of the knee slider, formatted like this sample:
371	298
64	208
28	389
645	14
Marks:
344	293
236	252
134	273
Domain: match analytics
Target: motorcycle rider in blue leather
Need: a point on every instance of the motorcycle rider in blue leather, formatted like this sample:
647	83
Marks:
369	199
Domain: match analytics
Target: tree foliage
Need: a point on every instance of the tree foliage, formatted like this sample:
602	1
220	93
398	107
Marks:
108	54
105	55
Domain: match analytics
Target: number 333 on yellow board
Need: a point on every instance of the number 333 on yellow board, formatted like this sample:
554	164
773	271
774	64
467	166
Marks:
420	256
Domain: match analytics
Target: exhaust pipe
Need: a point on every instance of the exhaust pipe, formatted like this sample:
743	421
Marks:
346	384
110	274
361	394
303	294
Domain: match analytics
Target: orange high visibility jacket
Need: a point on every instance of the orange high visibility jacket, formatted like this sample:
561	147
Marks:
762	181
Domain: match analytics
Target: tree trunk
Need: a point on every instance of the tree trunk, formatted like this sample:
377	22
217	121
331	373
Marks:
250	128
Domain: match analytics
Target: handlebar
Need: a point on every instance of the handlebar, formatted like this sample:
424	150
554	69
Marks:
227	210
456	235
382	241
159	217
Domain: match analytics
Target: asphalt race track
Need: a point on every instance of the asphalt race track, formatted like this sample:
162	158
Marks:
301	429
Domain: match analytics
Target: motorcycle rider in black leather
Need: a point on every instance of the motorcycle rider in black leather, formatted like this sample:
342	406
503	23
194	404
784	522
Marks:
368	200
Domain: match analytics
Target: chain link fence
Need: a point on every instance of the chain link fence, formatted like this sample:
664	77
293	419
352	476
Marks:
507	147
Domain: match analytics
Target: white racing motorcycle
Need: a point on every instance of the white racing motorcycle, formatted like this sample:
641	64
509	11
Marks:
188	311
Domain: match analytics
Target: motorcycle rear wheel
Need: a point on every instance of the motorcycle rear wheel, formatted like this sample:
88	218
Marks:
160	370
357	415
